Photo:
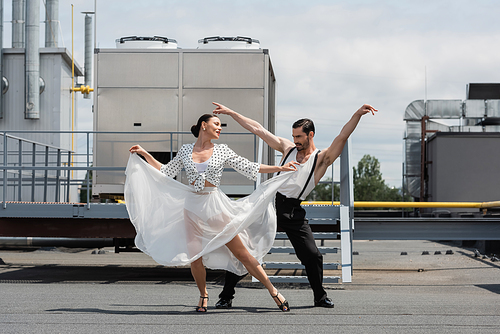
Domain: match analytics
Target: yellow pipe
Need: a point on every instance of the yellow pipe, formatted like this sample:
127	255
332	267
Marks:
418	204
83	89
493	204
319	203
366	204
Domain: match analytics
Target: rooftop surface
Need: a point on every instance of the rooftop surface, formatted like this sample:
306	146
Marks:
51	290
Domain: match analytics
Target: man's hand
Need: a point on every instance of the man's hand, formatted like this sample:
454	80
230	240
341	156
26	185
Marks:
221	109
329	155
365	109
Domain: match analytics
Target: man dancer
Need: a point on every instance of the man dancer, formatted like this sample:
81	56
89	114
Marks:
290	214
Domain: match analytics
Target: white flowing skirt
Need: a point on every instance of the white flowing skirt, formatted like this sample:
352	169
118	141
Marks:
176	225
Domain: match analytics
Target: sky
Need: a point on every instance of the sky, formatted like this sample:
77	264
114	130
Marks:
329	57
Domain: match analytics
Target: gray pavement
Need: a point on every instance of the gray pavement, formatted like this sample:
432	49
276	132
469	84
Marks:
75	291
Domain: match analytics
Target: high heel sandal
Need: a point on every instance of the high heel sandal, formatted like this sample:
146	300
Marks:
283	306
202	308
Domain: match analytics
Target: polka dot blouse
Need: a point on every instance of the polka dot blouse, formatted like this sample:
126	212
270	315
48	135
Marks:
222	155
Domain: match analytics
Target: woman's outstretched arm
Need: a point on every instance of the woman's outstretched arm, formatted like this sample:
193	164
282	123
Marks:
291	166
149	158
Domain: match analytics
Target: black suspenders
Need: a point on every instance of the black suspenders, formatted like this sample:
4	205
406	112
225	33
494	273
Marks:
286	157
310	174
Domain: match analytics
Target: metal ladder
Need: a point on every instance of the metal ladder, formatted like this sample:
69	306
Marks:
328	215
297	265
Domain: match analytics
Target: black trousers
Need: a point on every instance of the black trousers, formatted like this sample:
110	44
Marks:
291	219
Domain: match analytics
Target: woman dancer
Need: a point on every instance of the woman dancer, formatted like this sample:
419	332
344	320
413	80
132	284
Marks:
177	224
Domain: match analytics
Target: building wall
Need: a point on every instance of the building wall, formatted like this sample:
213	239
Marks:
464	167
55	115
55	100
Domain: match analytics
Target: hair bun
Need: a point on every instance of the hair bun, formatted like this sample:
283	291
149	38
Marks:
195	131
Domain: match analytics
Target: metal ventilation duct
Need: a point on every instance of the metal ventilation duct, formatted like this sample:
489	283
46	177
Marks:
492	108
492	128
474	108
415	111
466	128
476	116
444	109
413	130
52	23
88	52
412	157
18	20
435	126
32	60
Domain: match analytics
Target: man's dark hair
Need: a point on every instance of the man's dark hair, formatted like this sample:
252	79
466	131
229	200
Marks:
306	124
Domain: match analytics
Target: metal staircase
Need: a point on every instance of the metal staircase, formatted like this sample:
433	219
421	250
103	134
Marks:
297	265
327	218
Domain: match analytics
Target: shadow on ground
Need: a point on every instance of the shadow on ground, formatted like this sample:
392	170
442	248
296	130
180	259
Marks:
495	288
99	274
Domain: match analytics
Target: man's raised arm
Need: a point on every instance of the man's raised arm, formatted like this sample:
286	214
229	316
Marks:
329	155
275	142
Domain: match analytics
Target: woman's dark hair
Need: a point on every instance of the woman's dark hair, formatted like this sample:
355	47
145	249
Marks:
306	124
195	129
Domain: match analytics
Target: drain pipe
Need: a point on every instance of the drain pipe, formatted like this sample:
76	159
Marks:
51	23
32	110
18	20
88	52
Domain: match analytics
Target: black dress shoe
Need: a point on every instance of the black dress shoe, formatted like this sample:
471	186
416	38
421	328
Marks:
327	302
223	303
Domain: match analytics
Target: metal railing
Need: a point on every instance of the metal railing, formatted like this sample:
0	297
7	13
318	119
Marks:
57	164
32	155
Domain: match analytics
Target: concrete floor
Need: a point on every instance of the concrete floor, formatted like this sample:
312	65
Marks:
75	291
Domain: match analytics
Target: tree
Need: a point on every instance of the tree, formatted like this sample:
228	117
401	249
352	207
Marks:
369	184
323	192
